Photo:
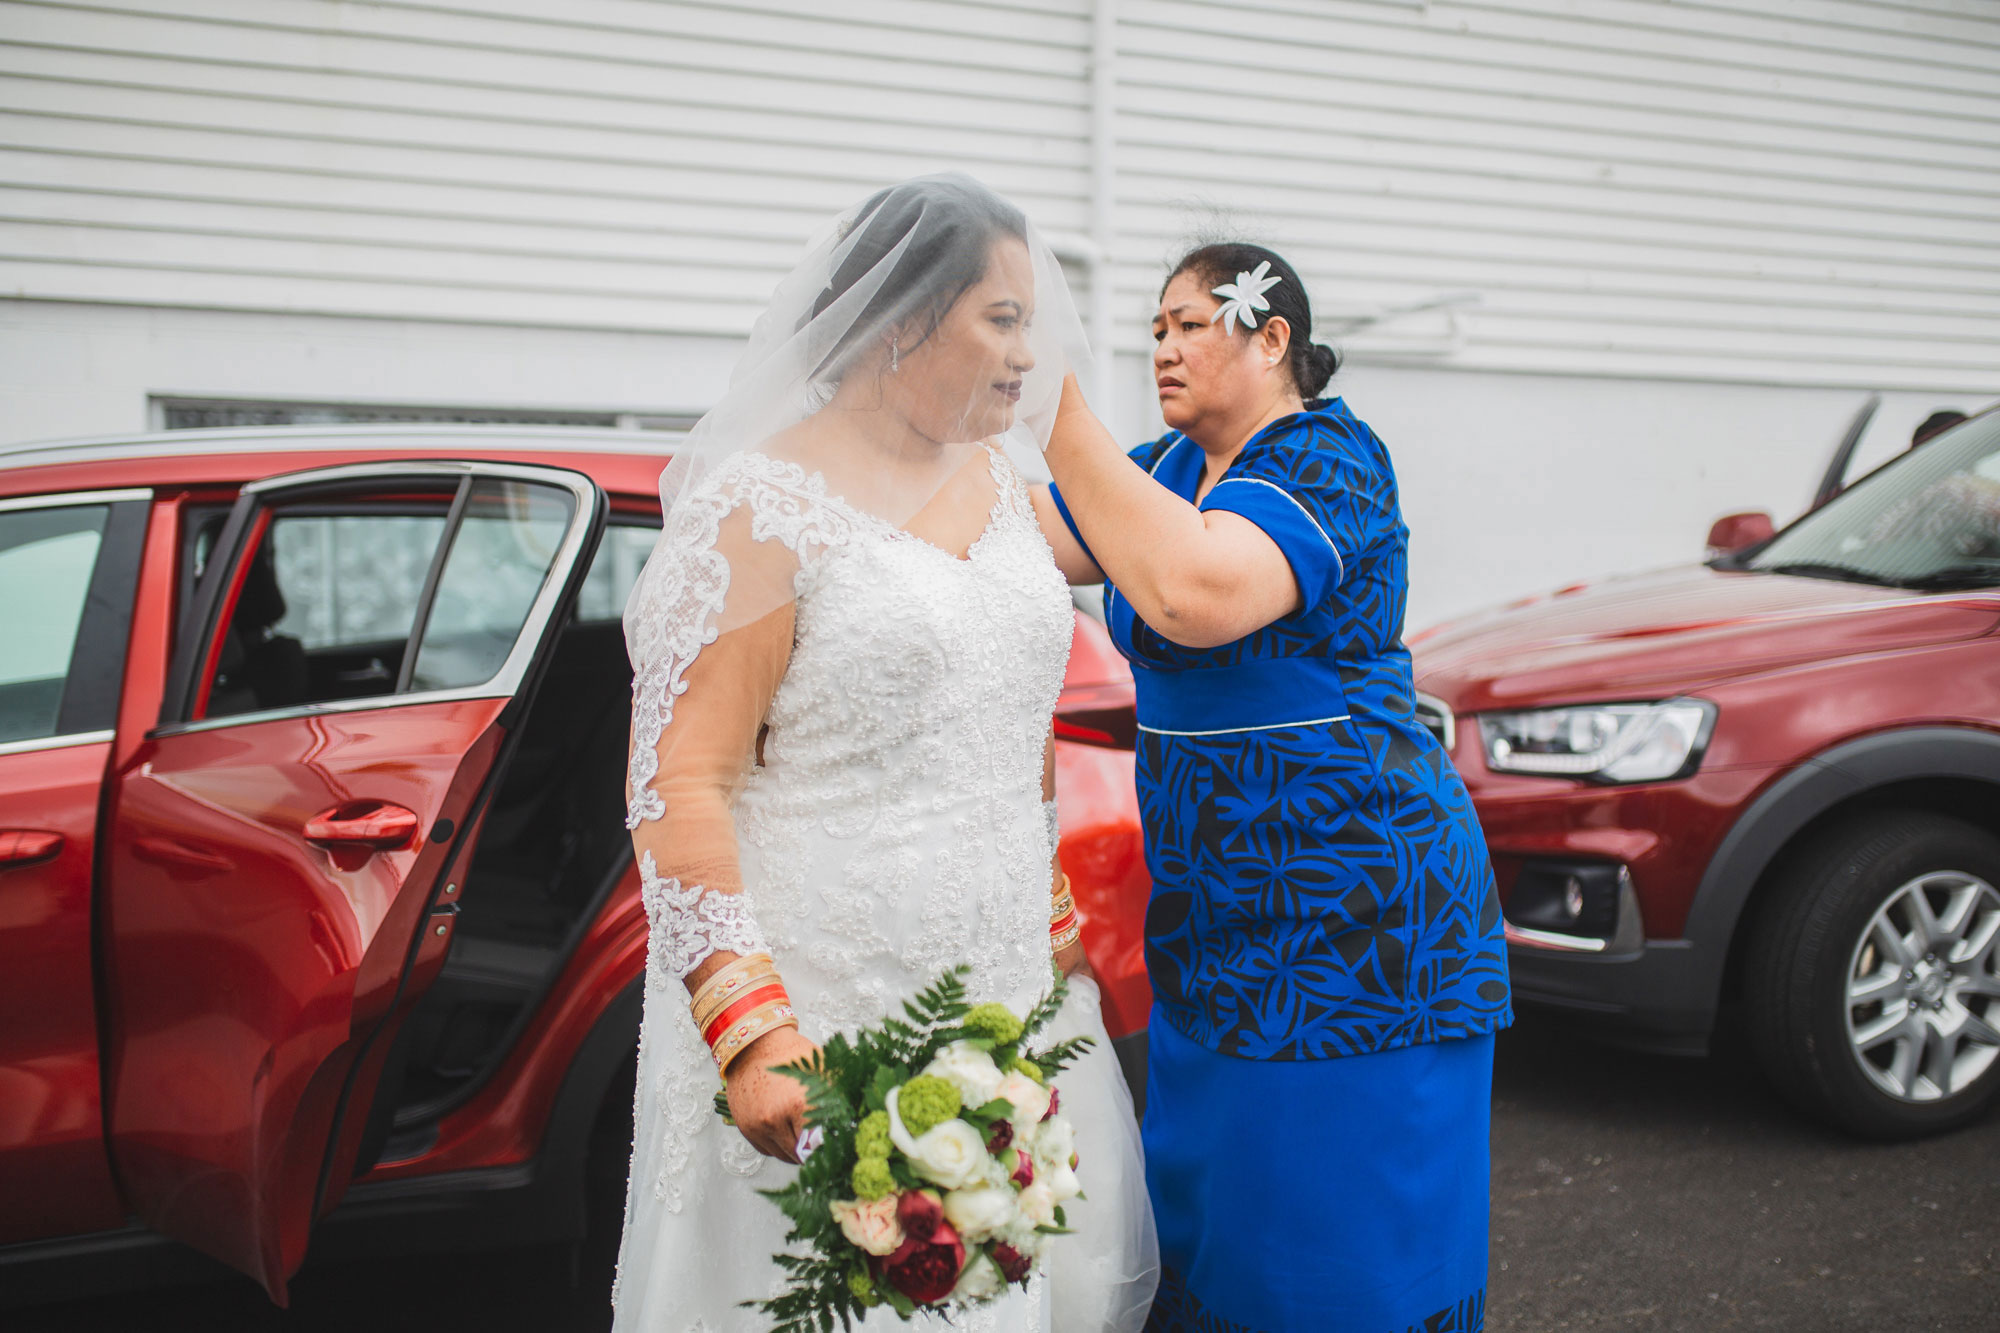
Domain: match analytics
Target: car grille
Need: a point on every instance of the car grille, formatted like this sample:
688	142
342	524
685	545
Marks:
1436	716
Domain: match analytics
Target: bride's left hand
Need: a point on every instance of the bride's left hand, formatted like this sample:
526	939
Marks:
769	1108
1074	962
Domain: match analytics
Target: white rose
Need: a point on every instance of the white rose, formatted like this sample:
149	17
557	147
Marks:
1031	1099
1038	1205
1055	1145
1021	1234
871	1226
977	1214
981	1280
951	1154
968	1069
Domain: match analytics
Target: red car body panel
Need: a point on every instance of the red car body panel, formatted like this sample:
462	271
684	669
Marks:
51	1120
239	1024
245	967
1797	669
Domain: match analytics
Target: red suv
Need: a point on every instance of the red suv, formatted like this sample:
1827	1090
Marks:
313	868
1773	779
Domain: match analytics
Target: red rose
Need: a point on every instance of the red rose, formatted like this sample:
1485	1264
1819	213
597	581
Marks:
1013	1264
926	1273
921	1212
1055	1103
1001	1135
1024	1170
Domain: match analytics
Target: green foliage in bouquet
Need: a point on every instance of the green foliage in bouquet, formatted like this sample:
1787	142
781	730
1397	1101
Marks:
847	1088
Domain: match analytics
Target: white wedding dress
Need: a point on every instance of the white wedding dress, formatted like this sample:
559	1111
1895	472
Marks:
895	828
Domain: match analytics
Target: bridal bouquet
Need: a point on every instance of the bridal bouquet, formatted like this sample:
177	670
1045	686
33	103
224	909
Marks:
942	1161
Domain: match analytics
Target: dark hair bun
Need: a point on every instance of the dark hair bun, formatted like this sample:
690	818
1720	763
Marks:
1320	363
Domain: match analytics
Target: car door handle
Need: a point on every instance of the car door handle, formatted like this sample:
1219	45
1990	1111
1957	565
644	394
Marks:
21	847
379	826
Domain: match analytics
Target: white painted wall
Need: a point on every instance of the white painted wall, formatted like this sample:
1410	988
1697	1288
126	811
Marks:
1692	236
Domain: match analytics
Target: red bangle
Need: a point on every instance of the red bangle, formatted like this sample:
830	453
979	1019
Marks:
770	992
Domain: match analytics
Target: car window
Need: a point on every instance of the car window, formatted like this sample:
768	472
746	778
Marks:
1929	520
47	557
326	608
614	569
499	558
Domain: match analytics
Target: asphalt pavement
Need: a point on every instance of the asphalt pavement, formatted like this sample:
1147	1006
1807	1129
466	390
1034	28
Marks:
1629	1192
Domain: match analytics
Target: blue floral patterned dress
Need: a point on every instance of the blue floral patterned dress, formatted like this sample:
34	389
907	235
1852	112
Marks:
1323	936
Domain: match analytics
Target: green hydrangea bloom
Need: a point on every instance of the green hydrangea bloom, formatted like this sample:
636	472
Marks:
993	1020
871	1136
1023	1065
872	1179
926	1101
863	1288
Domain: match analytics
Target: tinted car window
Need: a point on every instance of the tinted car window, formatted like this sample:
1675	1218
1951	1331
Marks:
47	557
499	558
326	609
613	571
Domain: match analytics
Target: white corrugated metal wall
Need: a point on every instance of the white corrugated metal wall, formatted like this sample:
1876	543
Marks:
601	164
1800	192
1723	218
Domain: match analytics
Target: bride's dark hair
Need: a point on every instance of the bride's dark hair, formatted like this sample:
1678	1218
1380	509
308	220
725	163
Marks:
1312	364
935	235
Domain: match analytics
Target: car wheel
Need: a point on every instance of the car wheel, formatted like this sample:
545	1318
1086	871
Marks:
1872	977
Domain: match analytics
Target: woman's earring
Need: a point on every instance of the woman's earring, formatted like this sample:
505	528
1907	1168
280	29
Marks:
892	356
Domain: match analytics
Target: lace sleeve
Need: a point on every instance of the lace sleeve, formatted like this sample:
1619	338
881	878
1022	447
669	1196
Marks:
709	628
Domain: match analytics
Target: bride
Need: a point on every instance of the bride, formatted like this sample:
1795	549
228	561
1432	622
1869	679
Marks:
848	646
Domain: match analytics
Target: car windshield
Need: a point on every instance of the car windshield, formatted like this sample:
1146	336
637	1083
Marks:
1928	520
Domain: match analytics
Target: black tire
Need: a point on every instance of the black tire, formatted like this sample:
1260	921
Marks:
1801	945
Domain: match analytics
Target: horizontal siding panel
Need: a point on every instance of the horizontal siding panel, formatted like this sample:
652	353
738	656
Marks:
808	196
1635	198
964	101
1533	106
592	110
1477	146
939	64
500	239
855	168
1453	49
1768	41
364	196
132	283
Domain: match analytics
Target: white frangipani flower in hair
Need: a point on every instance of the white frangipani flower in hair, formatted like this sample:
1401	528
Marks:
1244	295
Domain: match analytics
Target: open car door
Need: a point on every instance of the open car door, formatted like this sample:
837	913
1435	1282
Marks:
287	845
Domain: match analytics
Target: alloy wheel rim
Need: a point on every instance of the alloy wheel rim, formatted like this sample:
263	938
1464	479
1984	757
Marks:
1923	988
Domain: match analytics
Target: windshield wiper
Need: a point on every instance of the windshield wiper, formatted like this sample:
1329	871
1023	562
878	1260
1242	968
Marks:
1819	569
1985	574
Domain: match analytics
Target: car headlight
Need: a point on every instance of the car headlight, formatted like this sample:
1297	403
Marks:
1601	742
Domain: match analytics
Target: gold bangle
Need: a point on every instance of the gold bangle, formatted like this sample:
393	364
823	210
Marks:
765	1018
727	983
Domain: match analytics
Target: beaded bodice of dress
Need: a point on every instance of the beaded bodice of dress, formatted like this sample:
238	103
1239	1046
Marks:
895	828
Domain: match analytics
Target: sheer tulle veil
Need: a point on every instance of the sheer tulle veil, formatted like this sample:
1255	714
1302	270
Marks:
920	343
866	311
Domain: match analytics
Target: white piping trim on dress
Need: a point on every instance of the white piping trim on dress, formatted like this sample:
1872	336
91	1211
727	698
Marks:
1230	731
1339	564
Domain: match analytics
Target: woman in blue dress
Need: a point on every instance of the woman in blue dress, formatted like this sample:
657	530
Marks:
1323	935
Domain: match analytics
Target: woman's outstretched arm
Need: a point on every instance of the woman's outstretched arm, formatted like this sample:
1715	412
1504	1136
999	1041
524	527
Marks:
1199	578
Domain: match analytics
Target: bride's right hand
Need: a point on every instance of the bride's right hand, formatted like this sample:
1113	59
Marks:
767	1106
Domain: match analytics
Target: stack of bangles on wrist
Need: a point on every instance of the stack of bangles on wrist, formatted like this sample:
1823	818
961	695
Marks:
1064	928
739	1004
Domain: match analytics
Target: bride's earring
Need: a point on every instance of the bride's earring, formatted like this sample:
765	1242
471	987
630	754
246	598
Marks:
892	356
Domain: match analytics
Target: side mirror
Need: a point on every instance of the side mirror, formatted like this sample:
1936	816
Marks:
1733	532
